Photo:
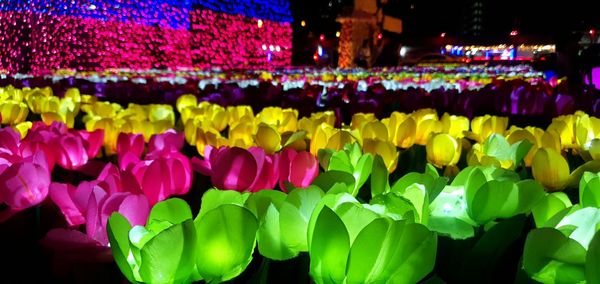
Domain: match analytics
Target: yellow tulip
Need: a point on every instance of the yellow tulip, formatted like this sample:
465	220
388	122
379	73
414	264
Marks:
454	125
565	129
209	137
385	149
425	128
13	112
241	135
326	136
283	120
73	94
238	114
360	119
484	126
374	130
551	169
268	138
162	113
310	124
393	122
186	101
443	150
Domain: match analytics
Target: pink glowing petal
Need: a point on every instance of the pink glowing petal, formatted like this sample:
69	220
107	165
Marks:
235	169
128	160
135	208
70	151
201	166
283	161
169	141
24	184
266	177
133	143
61	194
304	169
93	225
129	183
92	141
9	141
29	148
84	192
181	173
156	181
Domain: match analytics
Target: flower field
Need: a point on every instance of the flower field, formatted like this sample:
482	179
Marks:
422	174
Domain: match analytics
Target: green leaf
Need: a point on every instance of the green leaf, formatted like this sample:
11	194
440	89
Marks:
549	206
340	161
226	239
294	216
118	235
362	170
530	193
449	214
497	146
552	257
386	249
418	196
169	256
379	177
269	238
172	210
473	183
355	217
519	150
431	171
584	222
396	205
575	176
324	155
415	254
333	201
592	261
328	179
329	248
259	202
589	190
214	198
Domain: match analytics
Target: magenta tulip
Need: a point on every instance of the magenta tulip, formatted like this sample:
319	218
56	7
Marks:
130	143
163	174
170	141
25	183
238	169
298	168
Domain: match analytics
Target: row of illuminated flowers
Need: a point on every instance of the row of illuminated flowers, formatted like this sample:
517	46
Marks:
472	76
317	213
486	140
274	149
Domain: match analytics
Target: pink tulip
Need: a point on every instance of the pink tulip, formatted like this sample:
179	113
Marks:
238	169
69	151
9	141
162	174
130	143
25	183
298	168
92	203
170	141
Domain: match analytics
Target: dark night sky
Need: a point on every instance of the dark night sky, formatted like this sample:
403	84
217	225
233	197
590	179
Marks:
546	19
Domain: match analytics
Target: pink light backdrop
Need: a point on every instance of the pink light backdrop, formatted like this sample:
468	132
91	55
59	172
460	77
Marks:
48	42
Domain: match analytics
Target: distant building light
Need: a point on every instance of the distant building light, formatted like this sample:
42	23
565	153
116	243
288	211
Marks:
264	47
592	31
338	34
303	23
322	37
379	36
260	23
514	33
443	35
